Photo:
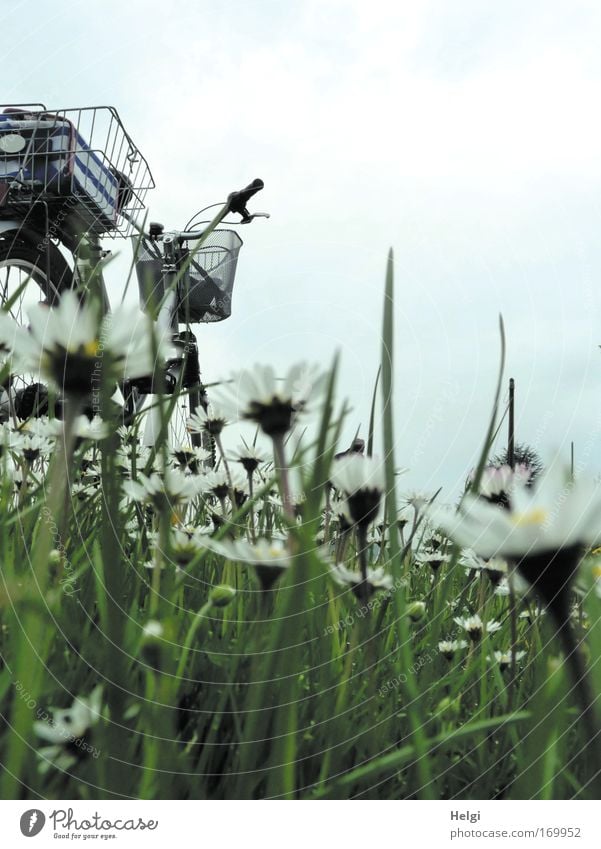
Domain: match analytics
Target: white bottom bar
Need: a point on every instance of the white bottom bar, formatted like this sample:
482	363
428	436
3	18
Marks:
296	825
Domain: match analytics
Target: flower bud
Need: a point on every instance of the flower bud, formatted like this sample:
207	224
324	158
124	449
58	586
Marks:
416	610
152	644
448	707
55	557
222	595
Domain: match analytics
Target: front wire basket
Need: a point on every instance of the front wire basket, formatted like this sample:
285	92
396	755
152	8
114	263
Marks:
205	287
82	159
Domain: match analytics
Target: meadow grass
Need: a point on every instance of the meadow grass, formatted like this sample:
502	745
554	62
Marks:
131	666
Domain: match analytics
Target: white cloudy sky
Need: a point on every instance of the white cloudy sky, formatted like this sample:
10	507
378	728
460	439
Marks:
464	134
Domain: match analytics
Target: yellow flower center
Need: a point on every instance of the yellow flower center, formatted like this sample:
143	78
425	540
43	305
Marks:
90	349
536	516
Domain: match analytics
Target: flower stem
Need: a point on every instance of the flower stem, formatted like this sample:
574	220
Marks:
362	551
253	534
282	468
33	641
219	444
327	512
514	641
583	691
228	474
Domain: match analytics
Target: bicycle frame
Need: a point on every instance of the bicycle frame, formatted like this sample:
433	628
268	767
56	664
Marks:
88	255
167	320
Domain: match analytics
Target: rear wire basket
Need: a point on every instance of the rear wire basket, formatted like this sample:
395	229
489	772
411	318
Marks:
205	286
82	161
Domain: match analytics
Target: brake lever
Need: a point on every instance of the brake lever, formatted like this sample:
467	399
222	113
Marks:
248	218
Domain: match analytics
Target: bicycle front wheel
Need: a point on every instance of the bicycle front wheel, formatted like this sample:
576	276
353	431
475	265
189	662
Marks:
194	399
185	395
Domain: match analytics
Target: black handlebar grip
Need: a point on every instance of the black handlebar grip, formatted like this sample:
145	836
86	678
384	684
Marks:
237	200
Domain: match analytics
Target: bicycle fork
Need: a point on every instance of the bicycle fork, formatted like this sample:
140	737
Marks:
184	369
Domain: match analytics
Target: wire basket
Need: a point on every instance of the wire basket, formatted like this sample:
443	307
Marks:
79	159
205	286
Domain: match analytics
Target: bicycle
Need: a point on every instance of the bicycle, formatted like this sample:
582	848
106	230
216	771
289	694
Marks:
70	177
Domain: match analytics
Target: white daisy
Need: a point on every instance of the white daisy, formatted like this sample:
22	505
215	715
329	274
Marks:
249	457
270	558
186	543
72	347
544	531
96	429
275	405
82	491
211	421
31	448
557	514
362	482
448	648
362	588
40	426
495	568
191	457
214	481
499	482
475	627
434	559
504	658
72	723
168	489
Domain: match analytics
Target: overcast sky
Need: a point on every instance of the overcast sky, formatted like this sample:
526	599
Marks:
464	134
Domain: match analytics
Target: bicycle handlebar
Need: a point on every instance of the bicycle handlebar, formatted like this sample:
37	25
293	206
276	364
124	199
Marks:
237	201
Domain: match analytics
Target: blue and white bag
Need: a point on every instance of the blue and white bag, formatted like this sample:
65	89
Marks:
45	153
